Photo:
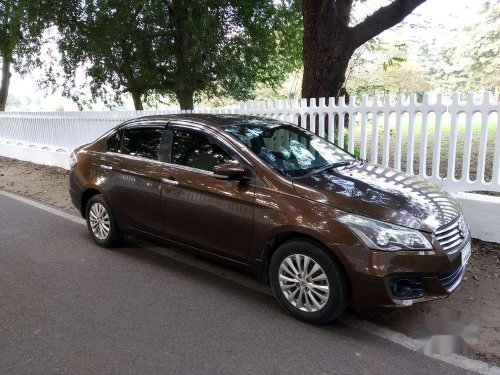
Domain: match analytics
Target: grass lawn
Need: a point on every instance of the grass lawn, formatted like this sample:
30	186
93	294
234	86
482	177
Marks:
445	143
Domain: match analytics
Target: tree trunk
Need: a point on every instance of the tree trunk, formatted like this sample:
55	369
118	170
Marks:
329	42
4	88
185	71
137	101
326	50
185	98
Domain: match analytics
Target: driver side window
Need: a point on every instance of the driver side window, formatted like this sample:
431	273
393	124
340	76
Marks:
196	150
114	143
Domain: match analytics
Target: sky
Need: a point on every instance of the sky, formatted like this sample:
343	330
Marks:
450	14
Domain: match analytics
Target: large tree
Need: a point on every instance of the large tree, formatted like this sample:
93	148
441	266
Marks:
178	48
330	39
104	51
20	38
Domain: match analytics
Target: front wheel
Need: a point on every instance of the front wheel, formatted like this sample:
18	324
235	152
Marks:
101	222
309	282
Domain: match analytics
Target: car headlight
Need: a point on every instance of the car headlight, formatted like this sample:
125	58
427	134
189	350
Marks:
72	159
384	236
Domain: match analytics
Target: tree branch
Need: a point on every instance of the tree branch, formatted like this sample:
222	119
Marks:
383	19
144	88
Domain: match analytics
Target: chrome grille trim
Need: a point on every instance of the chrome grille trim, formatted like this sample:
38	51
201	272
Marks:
452	236
452	239
451	281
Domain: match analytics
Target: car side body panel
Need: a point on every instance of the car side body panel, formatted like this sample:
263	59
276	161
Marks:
209	213
134	186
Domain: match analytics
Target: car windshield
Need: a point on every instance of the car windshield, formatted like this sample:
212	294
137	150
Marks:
289	149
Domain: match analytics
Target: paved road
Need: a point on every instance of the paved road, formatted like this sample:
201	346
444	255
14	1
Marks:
68	306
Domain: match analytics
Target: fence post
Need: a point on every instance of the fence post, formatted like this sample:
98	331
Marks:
456	109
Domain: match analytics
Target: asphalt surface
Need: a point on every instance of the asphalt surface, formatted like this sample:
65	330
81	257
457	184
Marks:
68	306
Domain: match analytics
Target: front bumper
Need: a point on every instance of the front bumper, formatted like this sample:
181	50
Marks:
398	279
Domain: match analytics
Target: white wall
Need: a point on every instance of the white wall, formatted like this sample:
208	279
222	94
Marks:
482	213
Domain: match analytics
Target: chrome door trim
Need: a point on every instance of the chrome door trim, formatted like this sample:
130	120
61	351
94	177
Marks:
170	182
189	169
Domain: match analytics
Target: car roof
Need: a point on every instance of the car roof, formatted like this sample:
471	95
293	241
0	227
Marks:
215	120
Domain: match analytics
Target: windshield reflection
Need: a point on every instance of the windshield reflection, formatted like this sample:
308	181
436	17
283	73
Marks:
288	149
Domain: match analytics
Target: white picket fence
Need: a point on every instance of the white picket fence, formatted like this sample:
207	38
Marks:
453	141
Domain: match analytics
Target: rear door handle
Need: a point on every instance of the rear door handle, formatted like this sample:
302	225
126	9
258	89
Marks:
107	167
169	181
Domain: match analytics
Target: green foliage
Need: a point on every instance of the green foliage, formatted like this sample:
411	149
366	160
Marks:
466	59
176	48
20	40
11	14
356	152
383	68
21	31
392	62
471	59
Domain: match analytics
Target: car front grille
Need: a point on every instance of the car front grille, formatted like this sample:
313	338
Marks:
452	236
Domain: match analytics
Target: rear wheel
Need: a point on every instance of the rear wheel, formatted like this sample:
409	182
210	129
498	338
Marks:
101	222
309	282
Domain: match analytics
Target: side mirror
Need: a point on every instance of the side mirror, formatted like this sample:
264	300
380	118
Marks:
229	171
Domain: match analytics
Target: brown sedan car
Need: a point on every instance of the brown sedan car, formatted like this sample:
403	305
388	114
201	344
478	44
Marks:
326	229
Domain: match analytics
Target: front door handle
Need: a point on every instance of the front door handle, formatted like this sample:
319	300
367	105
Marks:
169	181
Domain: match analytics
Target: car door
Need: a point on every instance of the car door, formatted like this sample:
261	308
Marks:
134	177
199	209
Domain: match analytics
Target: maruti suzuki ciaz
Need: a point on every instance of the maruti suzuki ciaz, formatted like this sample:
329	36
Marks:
326	229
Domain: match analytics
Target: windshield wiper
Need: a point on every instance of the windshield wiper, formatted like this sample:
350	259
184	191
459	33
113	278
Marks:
333	165
342	163
310	172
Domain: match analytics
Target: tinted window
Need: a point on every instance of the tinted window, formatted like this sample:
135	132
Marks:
197	151
289	149
144	143
114	143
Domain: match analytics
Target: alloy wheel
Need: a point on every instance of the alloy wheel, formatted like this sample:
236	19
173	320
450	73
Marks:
99	221
304	283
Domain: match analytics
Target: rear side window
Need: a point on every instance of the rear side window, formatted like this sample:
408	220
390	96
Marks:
196	150
114	143
144	143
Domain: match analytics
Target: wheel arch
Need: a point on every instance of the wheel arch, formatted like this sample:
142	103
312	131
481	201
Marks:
280	238
88	193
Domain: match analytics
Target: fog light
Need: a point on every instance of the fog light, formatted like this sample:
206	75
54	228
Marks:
406	287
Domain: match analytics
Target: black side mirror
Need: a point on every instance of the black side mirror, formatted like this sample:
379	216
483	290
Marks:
229	171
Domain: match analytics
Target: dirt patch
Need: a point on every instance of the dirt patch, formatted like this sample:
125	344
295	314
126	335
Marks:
40	182
477	300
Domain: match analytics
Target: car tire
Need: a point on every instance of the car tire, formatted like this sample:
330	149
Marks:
317	293
101	222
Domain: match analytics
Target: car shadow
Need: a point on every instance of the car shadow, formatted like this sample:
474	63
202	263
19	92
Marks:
233	281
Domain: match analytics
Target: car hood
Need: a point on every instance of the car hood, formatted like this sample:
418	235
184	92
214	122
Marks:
381	193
